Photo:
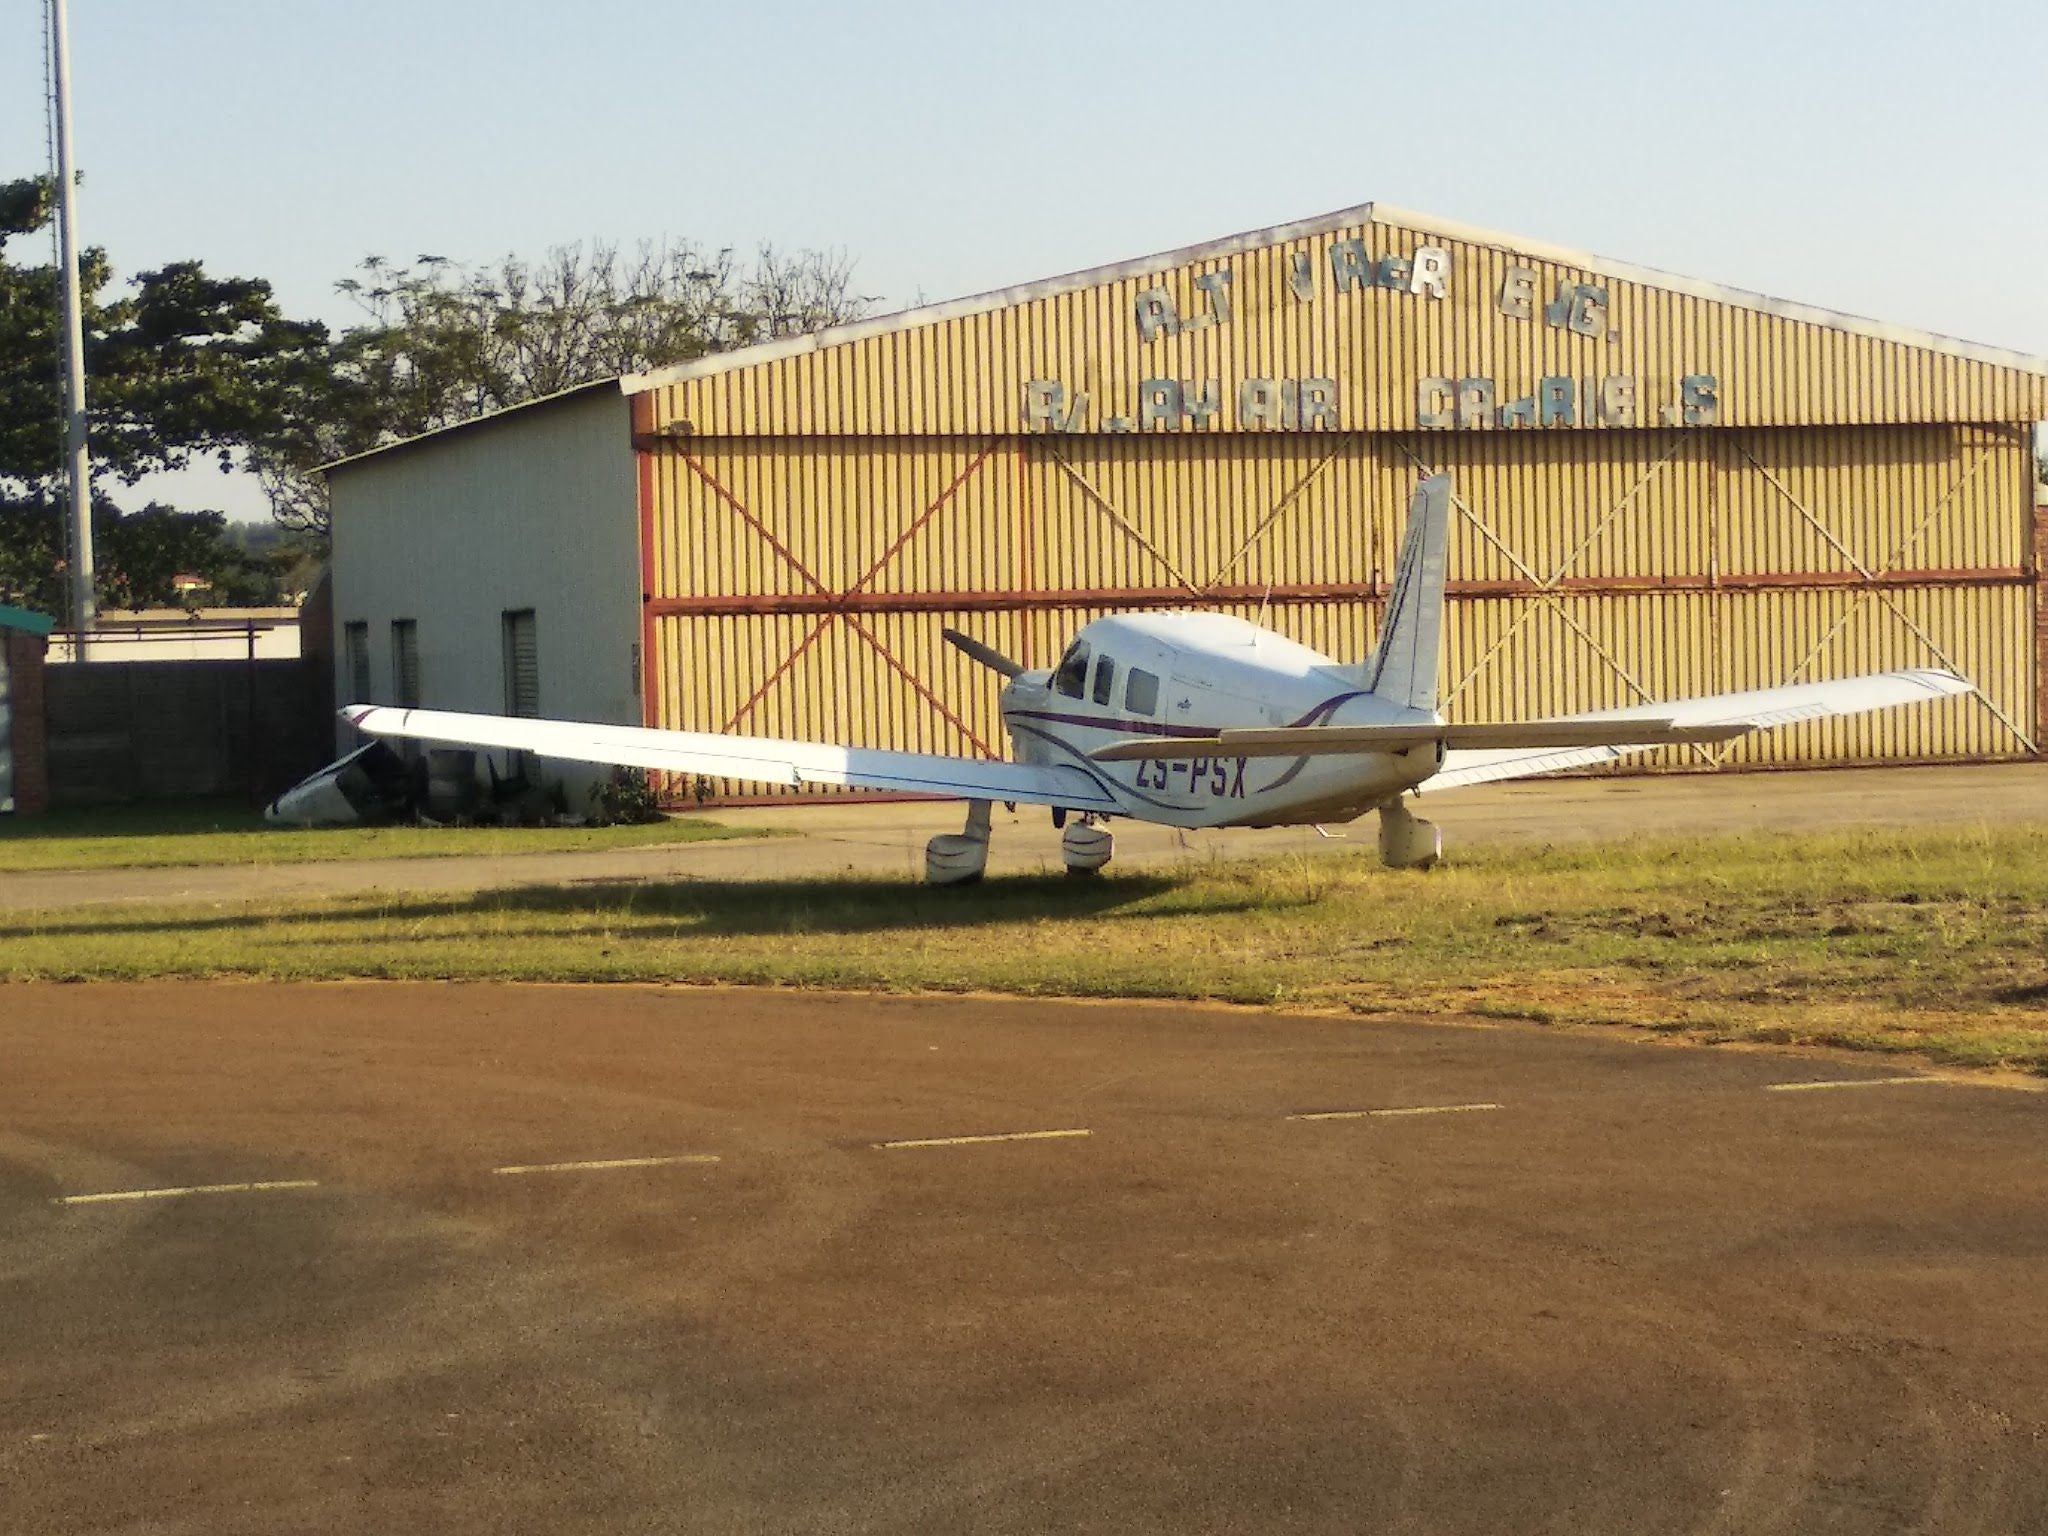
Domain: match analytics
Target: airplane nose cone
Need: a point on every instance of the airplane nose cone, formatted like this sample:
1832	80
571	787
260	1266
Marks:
1027	687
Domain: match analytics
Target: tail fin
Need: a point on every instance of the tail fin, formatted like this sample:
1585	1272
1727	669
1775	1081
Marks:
1402	669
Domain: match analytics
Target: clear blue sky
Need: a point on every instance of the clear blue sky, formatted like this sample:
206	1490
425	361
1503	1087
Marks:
1885	159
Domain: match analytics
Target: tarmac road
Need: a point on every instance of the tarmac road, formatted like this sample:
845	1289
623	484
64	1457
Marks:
1599	1286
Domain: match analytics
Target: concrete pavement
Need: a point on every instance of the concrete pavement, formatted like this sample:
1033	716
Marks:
1297	1275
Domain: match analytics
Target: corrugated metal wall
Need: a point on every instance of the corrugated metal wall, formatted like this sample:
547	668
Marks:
1305	308
801	584
1665	488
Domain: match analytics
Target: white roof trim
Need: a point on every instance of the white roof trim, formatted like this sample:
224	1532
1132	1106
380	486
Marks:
1744	298
1280	234
470	421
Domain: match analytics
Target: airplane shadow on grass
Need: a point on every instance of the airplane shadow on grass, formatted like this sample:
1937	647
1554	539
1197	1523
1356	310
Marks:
709	908
740	907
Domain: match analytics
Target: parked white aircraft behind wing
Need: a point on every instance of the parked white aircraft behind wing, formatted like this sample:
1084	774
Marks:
1203	720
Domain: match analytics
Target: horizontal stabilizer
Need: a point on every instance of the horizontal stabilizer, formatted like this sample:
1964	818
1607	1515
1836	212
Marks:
1514	749
1342	740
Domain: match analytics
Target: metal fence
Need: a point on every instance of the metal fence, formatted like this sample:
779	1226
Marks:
173	729
265	639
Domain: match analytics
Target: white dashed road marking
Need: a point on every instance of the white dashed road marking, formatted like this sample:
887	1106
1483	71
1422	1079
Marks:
969	1141
1847	1082
1387	1114
186	1189
609	1162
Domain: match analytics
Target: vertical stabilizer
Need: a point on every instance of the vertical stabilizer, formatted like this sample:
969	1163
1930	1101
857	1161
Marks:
1402	670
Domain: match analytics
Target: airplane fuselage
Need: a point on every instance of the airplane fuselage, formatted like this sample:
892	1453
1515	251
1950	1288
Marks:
1190	675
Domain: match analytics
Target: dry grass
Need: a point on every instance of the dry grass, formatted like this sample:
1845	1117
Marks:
1931	941
214	832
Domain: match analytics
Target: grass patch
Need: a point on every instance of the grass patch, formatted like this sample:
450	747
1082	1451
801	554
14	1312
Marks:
190	832
1932	941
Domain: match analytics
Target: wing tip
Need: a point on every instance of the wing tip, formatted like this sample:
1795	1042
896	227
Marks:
1940	681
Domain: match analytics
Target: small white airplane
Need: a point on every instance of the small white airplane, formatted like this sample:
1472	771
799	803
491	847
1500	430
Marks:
1204	720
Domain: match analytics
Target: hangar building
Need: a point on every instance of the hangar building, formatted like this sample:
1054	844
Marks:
1665	487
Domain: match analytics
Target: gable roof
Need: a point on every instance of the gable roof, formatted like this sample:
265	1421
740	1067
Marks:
791	350
573	392
1301	229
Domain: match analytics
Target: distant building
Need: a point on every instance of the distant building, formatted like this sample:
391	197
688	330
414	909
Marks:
180	634
1666	487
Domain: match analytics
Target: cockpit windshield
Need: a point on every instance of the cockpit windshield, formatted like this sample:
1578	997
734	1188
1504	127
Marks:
1072	676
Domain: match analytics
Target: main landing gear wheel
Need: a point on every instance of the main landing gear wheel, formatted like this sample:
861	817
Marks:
1406	840
1086	847
960	858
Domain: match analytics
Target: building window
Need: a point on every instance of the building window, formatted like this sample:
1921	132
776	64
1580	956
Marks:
355	636
405	663
522	664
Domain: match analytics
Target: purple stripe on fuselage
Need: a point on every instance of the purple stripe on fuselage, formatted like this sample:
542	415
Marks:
1109	723
1081	760
1160	728
1323	710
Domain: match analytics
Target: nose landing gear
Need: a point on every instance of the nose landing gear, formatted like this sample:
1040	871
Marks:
1086	847
961	858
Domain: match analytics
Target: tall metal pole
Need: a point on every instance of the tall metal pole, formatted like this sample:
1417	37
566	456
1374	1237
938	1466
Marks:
84	599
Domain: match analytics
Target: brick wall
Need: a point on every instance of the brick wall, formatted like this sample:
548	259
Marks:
25	686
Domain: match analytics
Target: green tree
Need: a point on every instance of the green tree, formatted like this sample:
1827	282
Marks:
183	364
180	365
138	555
443	341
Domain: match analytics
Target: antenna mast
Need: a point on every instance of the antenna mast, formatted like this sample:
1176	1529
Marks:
84	600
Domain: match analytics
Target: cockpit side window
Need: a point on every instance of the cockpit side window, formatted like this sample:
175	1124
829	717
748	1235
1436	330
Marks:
1141	692
1105	680
1072	675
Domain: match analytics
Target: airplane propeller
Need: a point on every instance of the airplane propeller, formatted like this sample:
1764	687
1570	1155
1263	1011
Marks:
994	660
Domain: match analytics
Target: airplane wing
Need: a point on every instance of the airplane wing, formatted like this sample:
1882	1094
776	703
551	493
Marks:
1343	740
764	759
1476	754
1737	713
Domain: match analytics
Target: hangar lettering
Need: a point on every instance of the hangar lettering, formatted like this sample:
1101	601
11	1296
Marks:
1442	402
1559	400
1580	308
1159	316
1169	405
1352	268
